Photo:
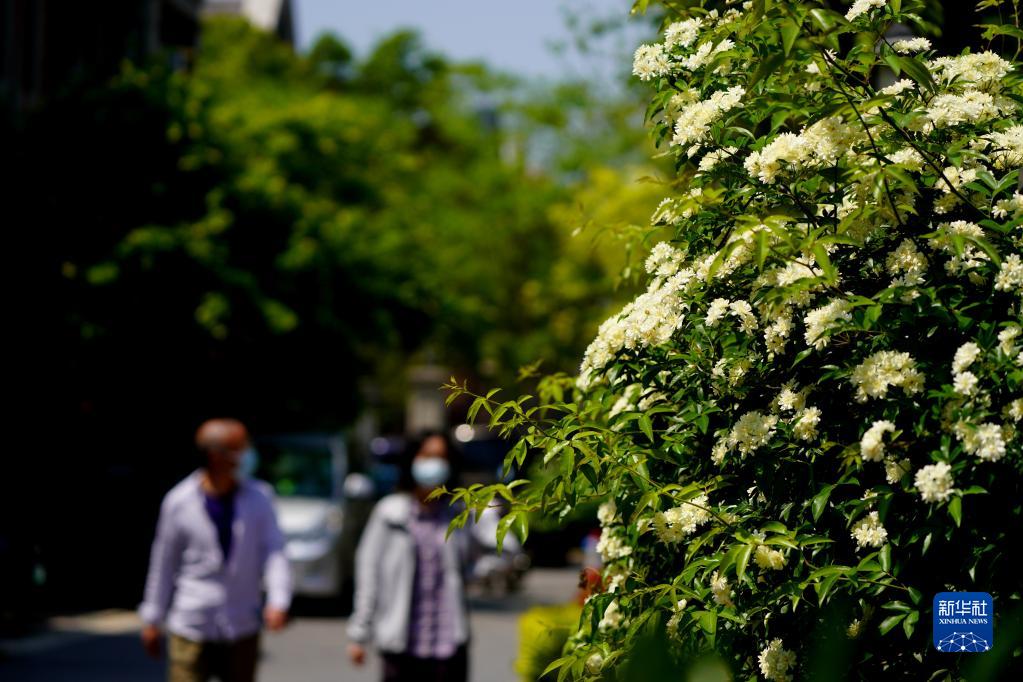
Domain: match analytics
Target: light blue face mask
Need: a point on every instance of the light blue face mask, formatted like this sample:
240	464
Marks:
430	472
247	464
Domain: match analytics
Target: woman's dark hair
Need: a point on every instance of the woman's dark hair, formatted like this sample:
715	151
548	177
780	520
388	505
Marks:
412	447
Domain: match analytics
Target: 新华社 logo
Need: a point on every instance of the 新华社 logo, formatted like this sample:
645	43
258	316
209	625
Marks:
963	622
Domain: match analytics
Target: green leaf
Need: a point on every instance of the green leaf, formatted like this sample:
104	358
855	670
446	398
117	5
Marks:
955	510
741	560
820	501
885	556
789	33
890	622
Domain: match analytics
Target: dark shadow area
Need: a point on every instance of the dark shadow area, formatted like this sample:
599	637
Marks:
80	657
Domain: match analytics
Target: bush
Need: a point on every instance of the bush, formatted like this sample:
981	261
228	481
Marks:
807	425
543	631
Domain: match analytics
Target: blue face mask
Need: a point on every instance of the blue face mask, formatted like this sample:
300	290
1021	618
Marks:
430	472
247	464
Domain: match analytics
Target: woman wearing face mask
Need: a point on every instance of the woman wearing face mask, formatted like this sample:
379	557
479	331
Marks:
410	582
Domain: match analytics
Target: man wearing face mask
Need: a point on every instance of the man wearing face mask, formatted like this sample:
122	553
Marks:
409	582
217	542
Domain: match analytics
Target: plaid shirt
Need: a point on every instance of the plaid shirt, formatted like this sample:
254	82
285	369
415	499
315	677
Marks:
431	623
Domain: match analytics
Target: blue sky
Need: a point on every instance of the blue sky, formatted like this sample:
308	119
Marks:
512	35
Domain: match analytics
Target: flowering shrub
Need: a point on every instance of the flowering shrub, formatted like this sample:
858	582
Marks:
824	373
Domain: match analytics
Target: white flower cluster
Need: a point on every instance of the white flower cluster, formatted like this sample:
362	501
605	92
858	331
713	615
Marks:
820	144
775	661
607	513
694	120
934	482
985	441
884	369
951	238
820	320
897	88
649	320
650	61
911	45
894	469
977	69
676	615
1010	274
869	532
611	546
720	589
804	424
682	33
612	619
675	524
1006	148
751	431
872	443
769	559
907	265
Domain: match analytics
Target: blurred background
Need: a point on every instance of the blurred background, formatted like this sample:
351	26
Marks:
306	214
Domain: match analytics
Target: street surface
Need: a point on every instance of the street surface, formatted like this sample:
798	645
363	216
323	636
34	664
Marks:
104	646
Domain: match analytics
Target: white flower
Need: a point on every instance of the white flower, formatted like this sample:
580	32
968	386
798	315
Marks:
743	311
976	69
897	88
819	320
607	513
650	61
682	33
1010	275
884	369
965	383
872	443
1014	410
594	663
869	532
934	482
908	158
1007	152
612	617
973	106
718	309
789	399
907	264
751	431
694	120
964	357
611	546
911	45
768	558
720	589
673	525
986	441
1007	339
894	470
854	629
806	421
676	615
776	662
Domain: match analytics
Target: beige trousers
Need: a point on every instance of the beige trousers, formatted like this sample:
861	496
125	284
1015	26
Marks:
190	661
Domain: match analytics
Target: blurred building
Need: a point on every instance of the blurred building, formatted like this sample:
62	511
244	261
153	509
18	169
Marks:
48	46
273	16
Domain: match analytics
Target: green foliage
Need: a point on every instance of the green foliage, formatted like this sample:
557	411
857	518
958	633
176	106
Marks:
807	425
543	632
287	224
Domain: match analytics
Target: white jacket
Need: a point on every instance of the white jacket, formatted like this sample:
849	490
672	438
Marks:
385	565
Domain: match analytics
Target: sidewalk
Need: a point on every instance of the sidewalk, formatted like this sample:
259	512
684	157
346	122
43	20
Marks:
103	646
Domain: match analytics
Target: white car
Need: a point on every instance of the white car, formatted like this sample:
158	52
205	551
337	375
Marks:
307	472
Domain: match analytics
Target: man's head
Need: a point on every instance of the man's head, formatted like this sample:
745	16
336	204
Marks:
222	442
